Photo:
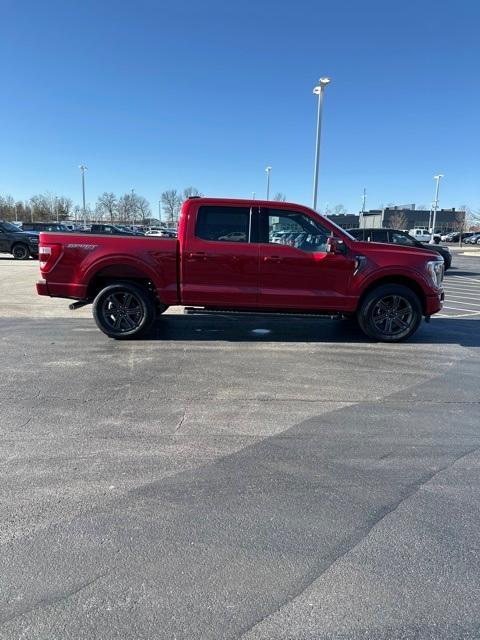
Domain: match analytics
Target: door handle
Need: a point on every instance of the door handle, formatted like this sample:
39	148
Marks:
200	255
272	259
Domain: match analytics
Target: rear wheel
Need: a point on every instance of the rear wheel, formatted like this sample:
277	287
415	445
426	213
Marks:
390	313
20	252
123	310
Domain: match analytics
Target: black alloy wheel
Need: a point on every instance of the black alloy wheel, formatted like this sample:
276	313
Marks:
390	313
123	310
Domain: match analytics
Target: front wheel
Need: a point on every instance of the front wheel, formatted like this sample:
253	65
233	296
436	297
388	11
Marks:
123	310
390	313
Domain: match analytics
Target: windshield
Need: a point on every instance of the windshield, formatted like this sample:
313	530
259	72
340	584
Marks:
8	226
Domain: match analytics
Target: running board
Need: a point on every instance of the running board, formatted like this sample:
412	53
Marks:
200	311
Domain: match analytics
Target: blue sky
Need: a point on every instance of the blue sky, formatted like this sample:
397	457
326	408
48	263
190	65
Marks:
158	94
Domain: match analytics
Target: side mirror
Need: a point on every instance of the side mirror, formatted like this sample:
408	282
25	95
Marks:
336	246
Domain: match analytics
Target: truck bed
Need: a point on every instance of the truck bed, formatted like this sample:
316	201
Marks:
85	260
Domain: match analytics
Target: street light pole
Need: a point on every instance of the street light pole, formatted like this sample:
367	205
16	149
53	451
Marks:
319	91
83	168
268	170
435	206
364	199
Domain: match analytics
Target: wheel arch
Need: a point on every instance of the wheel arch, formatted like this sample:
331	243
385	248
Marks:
396	279
123	272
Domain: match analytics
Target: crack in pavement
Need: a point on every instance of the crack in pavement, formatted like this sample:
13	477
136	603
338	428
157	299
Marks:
181	421
53	599
384	513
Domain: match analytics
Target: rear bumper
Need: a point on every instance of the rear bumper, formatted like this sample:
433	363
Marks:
61	290
434	303
42	288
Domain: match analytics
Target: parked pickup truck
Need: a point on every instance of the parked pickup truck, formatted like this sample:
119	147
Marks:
226	258
21	244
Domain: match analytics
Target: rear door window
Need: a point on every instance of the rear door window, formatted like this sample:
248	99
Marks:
223	224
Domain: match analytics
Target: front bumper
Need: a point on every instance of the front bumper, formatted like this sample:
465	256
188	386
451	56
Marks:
434	303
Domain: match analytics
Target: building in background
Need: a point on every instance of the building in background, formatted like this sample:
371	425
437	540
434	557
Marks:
401	217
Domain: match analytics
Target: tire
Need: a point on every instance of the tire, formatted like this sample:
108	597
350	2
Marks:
20	251
123	310
390	313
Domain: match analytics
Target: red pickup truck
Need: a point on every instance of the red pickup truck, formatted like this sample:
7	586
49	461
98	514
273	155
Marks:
244	255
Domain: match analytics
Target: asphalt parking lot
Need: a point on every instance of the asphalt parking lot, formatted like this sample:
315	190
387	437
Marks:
232	477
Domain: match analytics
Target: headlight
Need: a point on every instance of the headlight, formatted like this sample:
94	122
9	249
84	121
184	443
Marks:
435	269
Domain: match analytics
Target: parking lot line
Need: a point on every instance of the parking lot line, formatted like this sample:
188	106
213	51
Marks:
457	315
473	312
463	285
462	301
464	278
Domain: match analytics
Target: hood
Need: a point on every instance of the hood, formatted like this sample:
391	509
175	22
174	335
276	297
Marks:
392	248
25	234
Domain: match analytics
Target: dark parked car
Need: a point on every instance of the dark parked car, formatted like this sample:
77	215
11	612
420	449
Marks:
44	226
473	239
455	236
21	244
395	236
111	229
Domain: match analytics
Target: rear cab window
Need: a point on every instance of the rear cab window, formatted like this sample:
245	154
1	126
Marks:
224	224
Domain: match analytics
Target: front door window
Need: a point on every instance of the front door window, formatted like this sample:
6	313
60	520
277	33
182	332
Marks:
297	230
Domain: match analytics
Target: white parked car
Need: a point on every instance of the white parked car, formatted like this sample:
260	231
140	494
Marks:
423	235
161	233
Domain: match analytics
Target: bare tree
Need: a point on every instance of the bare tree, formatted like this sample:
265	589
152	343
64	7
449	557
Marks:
460	221
188	192
171	203
397	220
143	209
61	207
41	207
7	208
339	209
126	207
107	206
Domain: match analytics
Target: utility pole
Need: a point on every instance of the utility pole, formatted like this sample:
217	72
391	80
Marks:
83	168
364	199
319	91
268	170
435	206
